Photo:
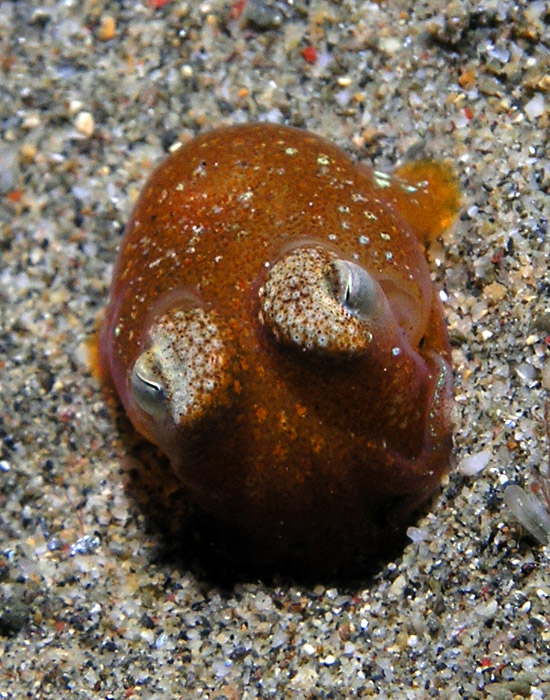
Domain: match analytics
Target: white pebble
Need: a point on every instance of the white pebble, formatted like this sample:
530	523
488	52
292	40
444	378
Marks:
84	123
417	534
390	45
473	464
536	107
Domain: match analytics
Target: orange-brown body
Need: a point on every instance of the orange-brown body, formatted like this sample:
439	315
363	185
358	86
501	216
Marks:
310	424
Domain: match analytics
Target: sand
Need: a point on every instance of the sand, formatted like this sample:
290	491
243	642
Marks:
96	602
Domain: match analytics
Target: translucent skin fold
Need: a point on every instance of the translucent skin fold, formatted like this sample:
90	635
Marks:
316	453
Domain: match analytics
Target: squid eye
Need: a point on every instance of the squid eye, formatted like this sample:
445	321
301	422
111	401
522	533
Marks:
147	388
354	288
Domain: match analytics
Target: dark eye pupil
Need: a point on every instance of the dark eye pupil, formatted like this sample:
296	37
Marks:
348	293
155	388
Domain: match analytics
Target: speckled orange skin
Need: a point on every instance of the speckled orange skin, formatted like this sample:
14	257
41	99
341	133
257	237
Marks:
319	462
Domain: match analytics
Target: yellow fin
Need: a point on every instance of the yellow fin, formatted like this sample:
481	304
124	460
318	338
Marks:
429	198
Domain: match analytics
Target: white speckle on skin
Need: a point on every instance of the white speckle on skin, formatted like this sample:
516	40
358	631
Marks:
381	179
245	196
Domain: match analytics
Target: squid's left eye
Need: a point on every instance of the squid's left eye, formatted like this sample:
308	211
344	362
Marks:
147	388
354	288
